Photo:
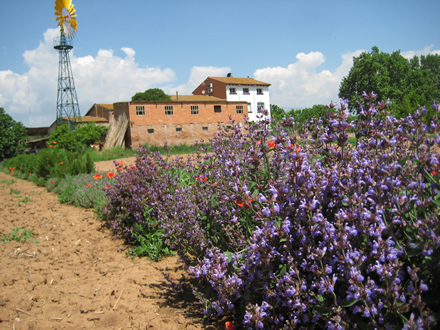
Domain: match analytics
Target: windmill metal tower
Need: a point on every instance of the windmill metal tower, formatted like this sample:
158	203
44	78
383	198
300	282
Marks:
67	101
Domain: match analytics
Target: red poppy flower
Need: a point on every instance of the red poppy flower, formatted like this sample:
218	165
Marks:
120	163
120	169
258	142
132	166
30	174
271	144
54	142
61	163
214	183
51	146
53	182
97	176
14	168
239	204
229	325
110	175
434	173
106	187
89	185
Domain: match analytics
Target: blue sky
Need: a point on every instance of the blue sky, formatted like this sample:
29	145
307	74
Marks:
303	48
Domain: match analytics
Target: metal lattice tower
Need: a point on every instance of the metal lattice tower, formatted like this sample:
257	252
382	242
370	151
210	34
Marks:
67	101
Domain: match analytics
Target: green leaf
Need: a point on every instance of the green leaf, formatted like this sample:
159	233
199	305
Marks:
229	255
321	310
348	303
283	269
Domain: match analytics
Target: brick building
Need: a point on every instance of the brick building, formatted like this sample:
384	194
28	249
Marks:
254	92
99	110
185	119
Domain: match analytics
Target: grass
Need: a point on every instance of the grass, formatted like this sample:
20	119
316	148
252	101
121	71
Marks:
24	200
19	235
13	191
7	182
119	152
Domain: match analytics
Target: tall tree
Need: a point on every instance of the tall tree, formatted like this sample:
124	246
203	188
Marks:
12	135
152	94
390	76
276	111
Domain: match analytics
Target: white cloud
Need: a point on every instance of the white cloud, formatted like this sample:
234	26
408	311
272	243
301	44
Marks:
425	51
107	78
104	78
302	84
197	76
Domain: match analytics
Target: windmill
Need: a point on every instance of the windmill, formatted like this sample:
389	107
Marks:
67	101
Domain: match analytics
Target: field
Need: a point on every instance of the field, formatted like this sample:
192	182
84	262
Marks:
275	230
78	275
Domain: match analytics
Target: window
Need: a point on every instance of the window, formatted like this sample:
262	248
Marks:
245	90
150	131
179	129
249	107
194	109
140	110
259	90
169	110
217	108
204	128
232	90
260	106
239	108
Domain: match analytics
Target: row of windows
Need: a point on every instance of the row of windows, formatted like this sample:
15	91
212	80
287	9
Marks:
233	90
179	129
169	111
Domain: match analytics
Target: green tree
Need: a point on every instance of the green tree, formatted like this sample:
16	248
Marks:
391	76
316	112
276	111
152	94
12	135
83	136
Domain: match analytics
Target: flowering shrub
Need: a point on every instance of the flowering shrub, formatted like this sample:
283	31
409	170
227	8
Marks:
82	190
325	234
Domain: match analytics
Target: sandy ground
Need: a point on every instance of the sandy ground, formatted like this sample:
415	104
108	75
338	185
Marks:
78	275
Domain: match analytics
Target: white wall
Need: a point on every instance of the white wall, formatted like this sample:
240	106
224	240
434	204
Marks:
253	98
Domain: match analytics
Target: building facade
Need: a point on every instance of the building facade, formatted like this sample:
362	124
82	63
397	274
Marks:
254	92
184	120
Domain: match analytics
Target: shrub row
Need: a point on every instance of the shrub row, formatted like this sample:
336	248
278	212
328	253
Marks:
297	231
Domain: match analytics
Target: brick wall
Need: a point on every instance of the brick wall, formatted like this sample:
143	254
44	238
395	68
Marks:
218	87
99	111
152	125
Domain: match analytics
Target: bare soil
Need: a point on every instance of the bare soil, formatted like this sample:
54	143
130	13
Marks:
78	275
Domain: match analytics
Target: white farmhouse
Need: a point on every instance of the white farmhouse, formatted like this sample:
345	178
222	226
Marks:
254	92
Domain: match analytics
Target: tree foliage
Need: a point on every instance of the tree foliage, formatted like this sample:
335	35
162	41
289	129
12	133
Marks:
303	117
276	111
391	76
83	136
152	94
12	135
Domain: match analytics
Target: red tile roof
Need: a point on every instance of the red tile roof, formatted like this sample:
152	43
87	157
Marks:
239	81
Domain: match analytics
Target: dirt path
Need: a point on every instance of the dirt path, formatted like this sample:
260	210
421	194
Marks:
78	275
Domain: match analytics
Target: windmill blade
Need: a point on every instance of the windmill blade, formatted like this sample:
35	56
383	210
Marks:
66	16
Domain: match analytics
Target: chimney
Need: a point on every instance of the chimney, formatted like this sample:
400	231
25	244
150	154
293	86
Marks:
177	96
229	75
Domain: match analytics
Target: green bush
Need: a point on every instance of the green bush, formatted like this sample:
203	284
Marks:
51	163
81	138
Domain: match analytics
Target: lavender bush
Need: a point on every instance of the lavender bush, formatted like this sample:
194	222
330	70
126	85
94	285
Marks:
290	231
